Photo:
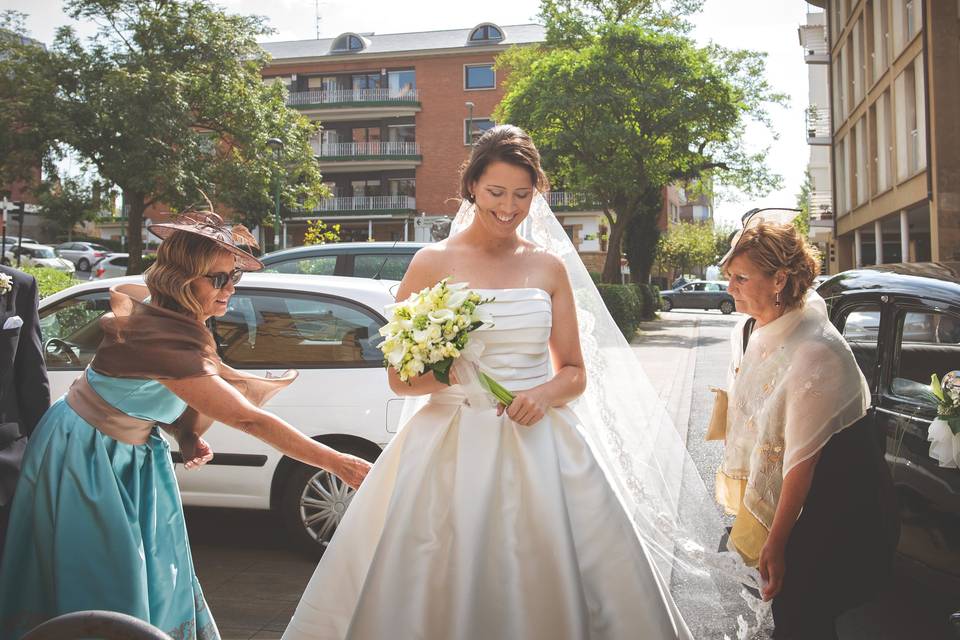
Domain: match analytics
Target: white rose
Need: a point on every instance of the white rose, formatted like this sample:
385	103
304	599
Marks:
440	316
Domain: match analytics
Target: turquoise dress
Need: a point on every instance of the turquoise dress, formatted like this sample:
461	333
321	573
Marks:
98	524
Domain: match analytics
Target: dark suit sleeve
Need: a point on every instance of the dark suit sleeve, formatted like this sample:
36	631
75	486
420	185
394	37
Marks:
30	371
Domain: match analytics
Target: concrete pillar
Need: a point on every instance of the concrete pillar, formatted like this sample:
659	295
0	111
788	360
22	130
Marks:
904	237
406	230
878	239
369	229
857	249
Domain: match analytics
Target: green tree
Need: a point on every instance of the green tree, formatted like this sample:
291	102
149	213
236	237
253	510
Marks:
66	203
802	221
166	100
687	245
621	102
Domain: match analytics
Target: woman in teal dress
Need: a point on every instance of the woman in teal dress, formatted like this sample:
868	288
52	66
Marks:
97	521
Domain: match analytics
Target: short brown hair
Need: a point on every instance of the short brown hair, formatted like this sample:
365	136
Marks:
503	143
182	258
780	247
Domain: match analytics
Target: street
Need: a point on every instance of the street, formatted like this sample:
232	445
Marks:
252	581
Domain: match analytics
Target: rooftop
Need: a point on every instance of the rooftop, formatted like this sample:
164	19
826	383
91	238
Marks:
391	43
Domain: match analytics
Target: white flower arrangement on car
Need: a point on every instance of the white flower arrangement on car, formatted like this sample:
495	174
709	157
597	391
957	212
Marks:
944	433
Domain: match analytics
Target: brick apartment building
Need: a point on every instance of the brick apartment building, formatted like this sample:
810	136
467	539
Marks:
399	113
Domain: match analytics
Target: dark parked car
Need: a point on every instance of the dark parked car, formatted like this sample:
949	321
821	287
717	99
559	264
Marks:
386	260
699	294
902	322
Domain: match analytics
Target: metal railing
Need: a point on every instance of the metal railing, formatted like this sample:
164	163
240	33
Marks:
818	125
569	200
376	148
367	203
346	96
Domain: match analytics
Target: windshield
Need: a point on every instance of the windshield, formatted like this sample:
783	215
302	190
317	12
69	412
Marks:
43	252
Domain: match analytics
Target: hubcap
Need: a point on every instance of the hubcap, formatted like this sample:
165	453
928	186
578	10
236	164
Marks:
324	500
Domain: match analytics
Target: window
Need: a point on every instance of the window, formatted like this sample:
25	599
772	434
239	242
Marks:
389	267
910	120
403	187
401	83
297	330
479	126
119	261
365	81
486	33
362	188
861	329
402	133
74	327
928	342
348	42
479	76
315	266
712	287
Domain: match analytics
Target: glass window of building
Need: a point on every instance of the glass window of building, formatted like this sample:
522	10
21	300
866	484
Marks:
479	76
402	132
401	83
365	81
479	126
486	33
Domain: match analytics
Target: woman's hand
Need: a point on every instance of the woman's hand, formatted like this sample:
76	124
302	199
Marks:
194	450
527	408
352	469
772	566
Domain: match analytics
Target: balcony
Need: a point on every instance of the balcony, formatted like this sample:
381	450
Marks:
816	49
367	204
374	155
347	104
820	204
570	201
818	125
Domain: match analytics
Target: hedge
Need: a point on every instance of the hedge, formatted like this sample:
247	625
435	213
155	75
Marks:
624	305
49	281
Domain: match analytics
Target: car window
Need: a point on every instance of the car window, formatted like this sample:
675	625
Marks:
712	287
699	286
688	288
119	261
267	329
42	252
75	322
928	342
860	325
97	247
315	265
390	267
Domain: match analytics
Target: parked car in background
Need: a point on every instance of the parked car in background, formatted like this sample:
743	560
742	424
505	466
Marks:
325	327
36	255
111	266
82	254
699	294
902	322
387	260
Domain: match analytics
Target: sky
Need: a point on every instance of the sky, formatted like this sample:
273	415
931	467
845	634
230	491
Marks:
762	25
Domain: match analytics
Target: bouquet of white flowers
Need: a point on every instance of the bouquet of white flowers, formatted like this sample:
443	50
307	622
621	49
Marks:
944	432
430	330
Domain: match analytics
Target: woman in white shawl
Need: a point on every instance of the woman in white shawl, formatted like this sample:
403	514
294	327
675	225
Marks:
802	467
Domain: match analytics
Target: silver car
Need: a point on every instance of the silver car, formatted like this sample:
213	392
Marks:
82	254
36	255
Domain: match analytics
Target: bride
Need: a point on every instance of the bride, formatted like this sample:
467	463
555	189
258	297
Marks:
534	520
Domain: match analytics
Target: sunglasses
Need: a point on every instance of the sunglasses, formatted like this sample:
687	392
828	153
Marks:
770	214
220	280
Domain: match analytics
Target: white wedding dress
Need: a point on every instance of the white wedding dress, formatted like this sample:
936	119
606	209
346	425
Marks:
471	526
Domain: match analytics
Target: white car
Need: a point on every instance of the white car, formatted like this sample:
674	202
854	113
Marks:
112	266
82	254
324	326
37	255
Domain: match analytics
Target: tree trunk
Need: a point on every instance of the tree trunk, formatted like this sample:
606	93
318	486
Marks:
135	232
611	268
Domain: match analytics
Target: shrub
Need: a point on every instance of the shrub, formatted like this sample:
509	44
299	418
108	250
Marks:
648	306
596	277
49	281
623	305
657	300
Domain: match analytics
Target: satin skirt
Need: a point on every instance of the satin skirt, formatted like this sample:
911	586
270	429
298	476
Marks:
473	527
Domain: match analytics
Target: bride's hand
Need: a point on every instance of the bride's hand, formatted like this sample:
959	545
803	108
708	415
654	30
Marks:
527	408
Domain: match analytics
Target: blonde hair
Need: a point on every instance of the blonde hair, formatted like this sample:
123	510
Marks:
181	259
780	247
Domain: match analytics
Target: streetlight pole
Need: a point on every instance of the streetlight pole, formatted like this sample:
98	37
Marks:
469	106
277	145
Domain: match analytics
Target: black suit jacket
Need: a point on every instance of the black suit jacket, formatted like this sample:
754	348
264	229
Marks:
24	390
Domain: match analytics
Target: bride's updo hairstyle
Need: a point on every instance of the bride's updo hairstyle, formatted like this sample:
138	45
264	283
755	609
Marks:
503	143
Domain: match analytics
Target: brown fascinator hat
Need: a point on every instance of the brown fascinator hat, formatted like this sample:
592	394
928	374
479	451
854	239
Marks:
210	225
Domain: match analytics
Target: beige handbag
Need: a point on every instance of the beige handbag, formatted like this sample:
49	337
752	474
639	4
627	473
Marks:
717	430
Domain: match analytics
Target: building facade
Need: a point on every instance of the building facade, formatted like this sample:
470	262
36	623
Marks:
894	93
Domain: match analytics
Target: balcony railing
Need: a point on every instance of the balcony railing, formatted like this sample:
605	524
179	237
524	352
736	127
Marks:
569	201
820	205
367	203
370	97
375	150
818	125
816	49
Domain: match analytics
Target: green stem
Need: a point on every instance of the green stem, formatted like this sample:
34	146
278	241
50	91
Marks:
503	396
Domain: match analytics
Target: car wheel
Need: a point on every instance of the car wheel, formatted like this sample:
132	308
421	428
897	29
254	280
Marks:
83	265
313	503
667	304
726	307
